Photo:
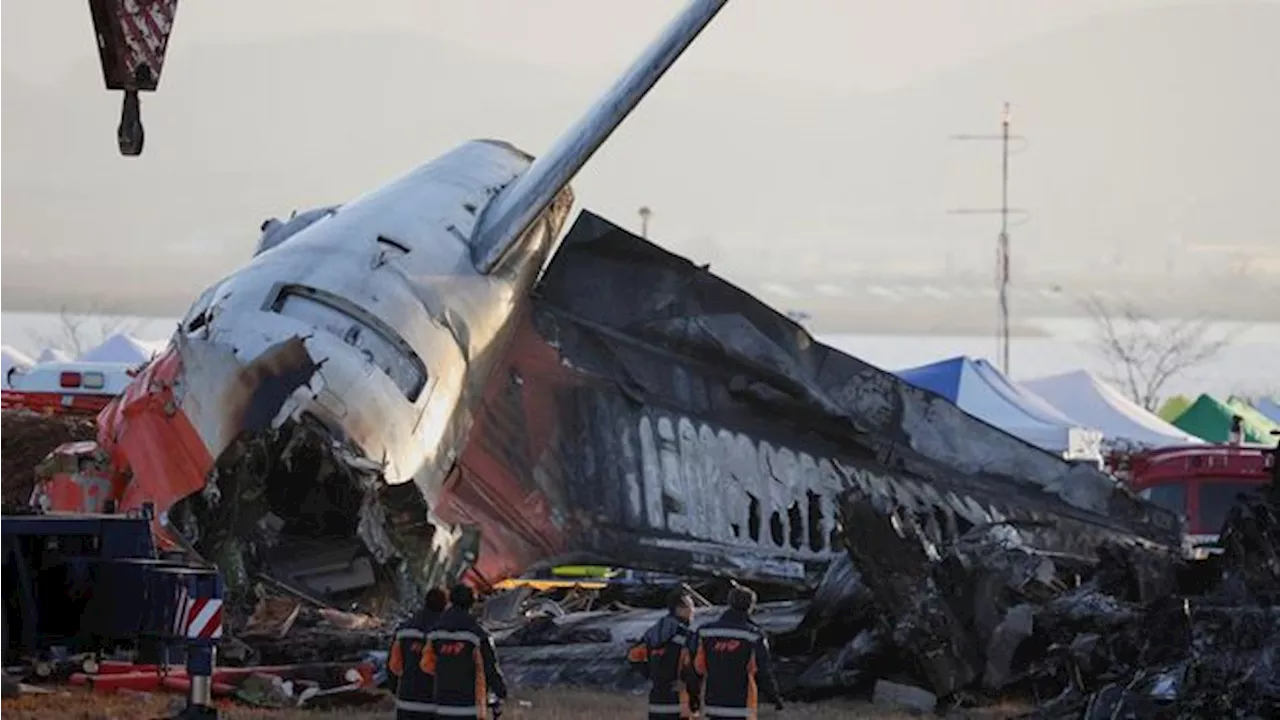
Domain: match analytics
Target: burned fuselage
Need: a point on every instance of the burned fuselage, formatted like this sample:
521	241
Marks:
645	413
650	413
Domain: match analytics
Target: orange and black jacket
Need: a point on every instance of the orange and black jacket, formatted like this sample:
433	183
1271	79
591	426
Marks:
732	657
664	654
415	694
460	656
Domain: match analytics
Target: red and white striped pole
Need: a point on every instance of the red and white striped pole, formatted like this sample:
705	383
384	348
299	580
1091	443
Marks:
198	621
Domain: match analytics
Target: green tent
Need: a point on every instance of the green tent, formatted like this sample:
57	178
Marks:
1210	418
1173	407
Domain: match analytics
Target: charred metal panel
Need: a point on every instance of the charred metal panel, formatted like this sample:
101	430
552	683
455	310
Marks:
617	287
702	493
651	414
662	331
947	579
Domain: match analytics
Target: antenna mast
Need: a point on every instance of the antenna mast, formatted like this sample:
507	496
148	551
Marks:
1002	242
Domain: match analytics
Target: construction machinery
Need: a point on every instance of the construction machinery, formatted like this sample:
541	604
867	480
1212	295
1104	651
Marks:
79	587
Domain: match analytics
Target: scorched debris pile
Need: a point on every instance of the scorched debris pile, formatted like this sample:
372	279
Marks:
27	439
968	615
1136	633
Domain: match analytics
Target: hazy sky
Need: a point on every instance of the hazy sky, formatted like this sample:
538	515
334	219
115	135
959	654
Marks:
796	135
845	44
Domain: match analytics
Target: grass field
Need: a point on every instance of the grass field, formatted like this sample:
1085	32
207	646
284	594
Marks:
539	705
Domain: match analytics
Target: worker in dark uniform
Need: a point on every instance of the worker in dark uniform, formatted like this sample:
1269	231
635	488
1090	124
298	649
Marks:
732	658
415	693
664	654
459	655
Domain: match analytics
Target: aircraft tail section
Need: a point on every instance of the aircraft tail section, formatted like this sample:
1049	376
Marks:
512	212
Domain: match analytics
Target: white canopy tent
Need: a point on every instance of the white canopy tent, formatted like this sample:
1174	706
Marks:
53	355
122	348
1090	401
984	392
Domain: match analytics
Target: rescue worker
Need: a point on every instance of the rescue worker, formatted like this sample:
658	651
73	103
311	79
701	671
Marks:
459	655
415	694
732	657
664	654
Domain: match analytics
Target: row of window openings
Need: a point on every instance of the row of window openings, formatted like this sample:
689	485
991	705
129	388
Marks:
794	531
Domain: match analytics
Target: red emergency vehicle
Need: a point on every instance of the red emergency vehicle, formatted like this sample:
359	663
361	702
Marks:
78	388
1200	482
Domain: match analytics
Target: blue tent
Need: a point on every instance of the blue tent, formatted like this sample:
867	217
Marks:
1268	407
985	393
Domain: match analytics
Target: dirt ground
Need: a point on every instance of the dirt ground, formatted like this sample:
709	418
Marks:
539	705
26	438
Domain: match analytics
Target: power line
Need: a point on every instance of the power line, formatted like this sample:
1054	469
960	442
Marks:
1002	241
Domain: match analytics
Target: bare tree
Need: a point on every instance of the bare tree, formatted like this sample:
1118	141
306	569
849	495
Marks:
1144	353
78	332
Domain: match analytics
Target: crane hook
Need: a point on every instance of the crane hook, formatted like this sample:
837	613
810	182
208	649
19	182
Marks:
130	134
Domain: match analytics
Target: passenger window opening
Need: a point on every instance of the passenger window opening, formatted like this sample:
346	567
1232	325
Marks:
816	542
198	321
776	532
795	526
753	517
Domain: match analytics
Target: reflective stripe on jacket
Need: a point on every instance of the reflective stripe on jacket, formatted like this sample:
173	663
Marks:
732	657
664	654
415	692
459	655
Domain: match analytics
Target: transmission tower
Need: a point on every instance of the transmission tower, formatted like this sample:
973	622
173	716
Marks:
1002	241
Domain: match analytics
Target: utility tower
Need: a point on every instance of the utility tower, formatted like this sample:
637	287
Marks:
1002	241
645	212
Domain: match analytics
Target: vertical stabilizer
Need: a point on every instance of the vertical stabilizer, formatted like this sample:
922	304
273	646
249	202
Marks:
516	207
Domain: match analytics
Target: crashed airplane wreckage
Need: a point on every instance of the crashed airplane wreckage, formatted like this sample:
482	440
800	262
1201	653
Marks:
664	418
389	394
644	413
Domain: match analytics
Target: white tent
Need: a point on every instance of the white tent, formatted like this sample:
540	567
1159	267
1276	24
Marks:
13	359
53	355
985	393
1090	401
122	348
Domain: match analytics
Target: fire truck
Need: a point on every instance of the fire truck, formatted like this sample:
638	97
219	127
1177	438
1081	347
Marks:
74	388
1201	482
